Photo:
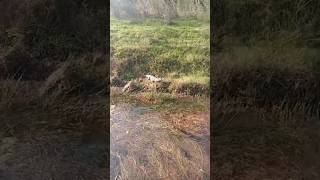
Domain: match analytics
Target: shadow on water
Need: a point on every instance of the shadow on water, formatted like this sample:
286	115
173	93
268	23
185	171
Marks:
143	146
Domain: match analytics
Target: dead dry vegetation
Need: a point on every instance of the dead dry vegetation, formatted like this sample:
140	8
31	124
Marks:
145	142
53	104
68	113
265	90
251	142
266	113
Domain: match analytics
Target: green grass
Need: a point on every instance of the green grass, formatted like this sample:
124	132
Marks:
164	102
171	103
154	47
160	98
190	78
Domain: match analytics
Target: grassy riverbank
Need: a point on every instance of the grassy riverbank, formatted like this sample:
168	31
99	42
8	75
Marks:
179	50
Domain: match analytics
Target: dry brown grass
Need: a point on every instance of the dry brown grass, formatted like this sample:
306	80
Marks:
143	146
254	142
265	112
194	122
52	111
17	92
268	73
67	131
165	160
53	155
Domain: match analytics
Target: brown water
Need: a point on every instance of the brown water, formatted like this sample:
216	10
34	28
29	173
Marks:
144	146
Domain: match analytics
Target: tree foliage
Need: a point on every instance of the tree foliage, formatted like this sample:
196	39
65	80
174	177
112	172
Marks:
166	9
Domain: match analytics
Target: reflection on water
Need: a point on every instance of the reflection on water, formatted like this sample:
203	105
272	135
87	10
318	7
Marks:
143	147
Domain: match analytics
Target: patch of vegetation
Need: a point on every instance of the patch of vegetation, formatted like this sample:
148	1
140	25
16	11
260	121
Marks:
274	53
195	85
264	87
159	98
165	102
234	18
60	106
153	47
47	33
271	72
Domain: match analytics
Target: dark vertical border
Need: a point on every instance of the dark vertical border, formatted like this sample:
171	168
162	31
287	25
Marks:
217	19
107	53
211	83
212	29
